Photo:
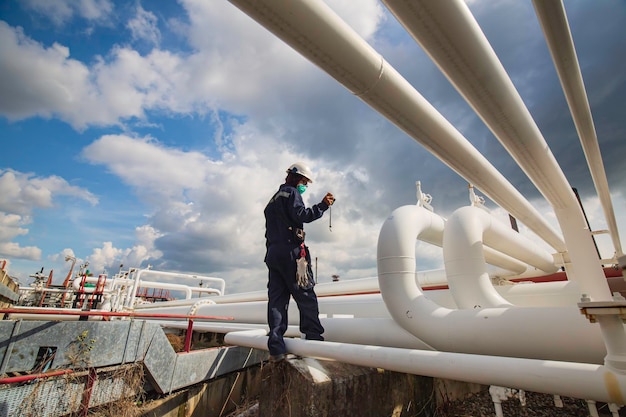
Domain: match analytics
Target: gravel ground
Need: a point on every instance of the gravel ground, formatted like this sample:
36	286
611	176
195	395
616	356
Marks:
480	405
537	405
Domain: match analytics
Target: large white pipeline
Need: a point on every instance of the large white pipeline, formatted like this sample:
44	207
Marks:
339	330
559	333
316	32
549	294
450	35
554	24
578	380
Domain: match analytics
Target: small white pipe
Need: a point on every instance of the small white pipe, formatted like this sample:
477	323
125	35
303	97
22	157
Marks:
558	402
593	410
578	380
44	317
614	408
138	274
188	290
50	290
220	282
136	284
498	408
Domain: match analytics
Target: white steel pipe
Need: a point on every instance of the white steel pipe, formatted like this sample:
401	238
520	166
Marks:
426	279
44	289
133	293
578	380
555	26
466	230
188	290
363	306
369	306
220	283
316	32
506	262
545	294
492	256
377	331
558	333
613	332
453	39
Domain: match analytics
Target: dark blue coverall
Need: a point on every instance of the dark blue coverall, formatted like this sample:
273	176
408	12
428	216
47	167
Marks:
286	209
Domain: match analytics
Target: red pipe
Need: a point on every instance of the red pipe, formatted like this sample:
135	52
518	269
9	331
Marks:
91	381
188	336
25	378
108	314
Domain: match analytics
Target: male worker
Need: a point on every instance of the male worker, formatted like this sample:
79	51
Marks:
284	239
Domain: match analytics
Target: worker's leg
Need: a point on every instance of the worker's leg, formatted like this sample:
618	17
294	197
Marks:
309	313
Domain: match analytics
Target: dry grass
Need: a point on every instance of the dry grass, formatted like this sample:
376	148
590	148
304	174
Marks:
65	395
177	341
132	378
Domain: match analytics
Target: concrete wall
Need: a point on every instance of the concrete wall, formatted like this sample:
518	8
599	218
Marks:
311	388
315	388
217	397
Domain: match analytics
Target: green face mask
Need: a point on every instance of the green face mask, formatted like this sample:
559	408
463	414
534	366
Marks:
301	188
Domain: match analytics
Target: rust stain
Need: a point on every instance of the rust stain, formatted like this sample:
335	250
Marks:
616	393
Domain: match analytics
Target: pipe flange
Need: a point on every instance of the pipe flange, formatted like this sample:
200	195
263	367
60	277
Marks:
593	309
194	308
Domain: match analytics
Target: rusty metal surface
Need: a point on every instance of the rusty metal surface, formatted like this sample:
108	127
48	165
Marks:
85	344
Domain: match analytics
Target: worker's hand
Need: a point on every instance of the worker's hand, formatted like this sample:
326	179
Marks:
329	199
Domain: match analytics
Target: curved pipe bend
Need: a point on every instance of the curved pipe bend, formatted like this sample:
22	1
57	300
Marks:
551	333
467	229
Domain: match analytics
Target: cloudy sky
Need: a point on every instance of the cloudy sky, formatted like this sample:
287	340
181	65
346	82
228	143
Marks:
153	133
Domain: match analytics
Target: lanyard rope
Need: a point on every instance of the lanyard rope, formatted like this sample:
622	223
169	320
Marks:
330	218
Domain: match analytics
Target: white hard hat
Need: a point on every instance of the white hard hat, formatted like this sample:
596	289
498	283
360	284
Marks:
301	169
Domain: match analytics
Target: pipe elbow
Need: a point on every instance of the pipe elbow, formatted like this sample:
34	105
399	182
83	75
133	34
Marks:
396	261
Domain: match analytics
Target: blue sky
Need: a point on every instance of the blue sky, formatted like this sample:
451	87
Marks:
153	132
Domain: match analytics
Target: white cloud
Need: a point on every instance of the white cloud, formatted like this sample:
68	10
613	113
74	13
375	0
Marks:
14	250
208	214
144	26
11	225
363	16
63	255
146	165
108	258
62	11
226	71
22	193
47	82
40	81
